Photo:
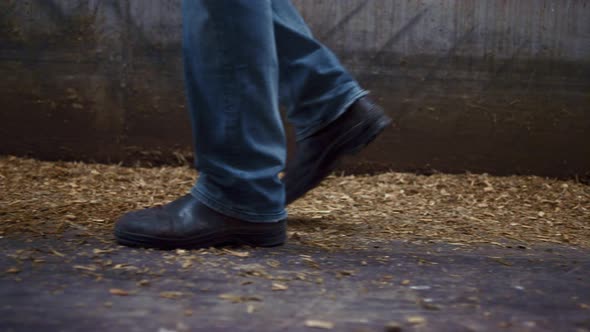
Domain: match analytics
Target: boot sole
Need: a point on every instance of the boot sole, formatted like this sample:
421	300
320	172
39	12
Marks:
237	237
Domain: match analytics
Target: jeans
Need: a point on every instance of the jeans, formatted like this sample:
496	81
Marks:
244	58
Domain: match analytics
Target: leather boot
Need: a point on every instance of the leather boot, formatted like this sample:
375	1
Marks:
187	223
316	156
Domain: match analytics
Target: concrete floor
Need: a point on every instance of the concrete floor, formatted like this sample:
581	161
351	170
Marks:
74	283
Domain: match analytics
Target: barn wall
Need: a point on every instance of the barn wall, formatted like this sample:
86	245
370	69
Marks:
485	86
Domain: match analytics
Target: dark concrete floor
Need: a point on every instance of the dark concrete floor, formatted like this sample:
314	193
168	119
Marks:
75	284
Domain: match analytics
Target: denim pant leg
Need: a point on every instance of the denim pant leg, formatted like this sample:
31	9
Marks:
314	86
231	73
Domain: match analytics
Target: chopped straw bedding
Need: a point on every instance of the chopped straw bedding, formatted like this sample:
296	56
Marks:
53	198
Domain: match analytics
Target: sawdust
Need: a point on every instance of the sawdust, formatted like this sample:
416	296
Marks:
52	198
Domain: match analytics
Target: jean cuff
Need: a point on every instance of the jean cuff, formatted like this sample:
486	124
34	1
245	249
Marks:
200	193
355	94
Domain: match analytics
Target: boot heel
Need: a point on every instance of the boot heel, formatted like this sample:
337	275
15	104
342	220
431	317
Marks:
266	239
257	241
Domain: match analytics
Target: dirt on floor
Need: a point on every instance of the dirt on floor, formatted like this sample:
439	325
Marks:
390	252
51	198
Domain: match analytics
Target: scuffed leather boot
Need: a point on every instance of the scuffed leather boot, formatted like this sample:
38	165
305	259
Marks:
316	156
187	223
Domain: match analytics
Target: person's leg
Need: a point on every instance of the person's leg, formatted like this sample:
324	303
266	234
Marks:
232	86
329	110
314	87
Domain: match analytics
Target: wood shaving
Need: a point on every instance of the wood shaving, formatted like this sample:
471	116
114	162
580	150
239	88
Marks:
13	270
171	295
279	287
118	292
415	320
239	298
241	254
319	324
50	198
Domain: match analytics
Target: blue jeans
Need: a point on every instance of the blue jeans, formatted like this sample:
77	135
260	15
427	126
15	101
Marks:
242	59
